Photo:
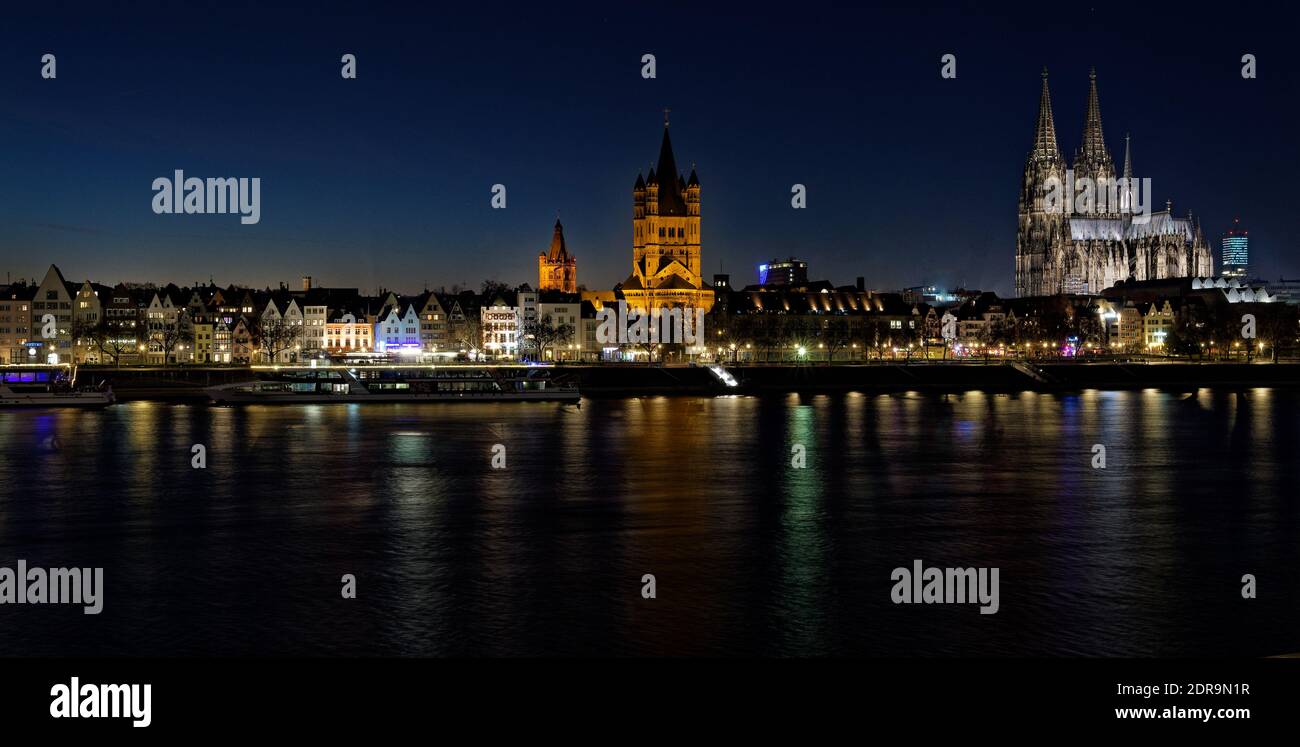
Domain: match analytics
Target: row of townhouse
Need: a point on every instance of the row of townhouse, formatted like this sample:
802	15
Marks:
55	321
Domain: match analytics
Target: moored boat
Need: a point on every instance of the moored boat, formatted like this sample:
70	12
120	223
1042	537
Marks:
49	386
321	384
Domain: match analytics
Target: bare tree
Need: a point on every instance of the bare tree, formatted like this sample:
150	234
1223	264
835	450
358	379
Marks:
467	334
274	336
547	334
86	333
835	336
108	336
169	336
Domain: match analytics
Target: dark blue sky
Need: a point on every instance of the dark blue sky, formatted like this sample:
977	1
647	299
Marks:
385	180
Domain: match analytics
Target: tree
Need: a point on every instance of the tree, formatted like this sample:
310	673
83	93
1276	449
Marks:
908	337
835	336
493	288
109	337
877	337
169	336
1278	327
86	333
274	336
546	334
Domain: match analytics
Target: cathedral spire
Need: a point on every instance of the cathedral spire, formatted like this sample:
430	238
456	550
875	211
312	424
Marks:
1128	161
1045	135
1092	151
1126	196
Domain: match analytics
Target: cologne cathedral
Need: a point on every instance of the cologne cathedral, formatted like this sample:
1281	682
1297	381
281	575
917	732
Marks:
1059	251
666	238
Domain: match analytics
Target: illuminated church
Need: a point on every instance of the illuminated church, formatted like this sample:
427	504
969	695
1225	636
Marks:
1060	252
666	238
557	269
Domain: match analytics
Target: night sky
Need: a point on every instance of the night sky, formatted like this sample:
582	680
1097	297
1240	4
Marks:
385	180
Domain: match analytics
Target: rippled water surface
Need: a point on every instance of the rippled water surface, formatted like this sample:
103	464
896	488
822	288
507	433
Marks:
750	555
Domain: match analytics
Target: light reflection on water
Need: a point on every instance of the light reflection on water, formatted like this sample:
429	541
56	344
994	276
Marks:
453	557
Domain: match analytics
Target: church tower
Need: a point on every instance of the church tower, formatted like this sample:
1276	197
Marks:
666	237
1092	159
1109	233
556	268
1040	229
666	216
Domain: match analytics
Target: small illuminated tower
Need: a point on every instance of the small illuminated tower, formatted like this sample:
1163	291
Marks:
556	268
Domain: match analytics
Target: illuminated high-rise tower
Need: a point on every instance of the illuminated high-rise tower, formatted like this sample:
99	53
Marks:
1235	256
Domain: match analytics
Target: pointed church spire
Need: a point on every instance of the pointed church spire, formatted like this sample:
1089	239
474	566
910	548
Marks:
1092	151
1128	161
1126	186
671	201
558	250
1045	146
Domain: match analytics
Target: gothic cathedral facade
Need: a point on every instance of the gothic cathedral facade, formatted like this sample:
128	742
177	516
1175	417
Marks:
1061	250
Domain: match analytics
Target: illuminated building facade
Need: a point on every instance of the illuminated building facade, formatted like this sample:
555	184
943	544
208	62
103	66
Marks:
1077	252
790	271
556	268
666	238
1235	256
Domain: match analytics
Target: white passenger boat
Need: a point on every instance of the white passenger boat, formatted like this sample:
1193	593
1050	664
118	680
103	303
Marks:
296	384
48	386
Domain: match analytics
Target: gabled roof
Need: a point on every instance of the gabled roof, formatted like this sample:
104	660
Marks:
675	282
56	276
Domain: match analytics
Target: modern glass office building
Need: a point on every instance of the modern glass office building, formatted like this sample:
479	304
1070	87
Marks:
1235	257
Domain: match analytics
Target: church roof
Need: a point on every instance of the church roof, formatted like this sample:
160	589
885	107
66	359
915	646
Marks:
671	200
1114	229
674	282
558	249
1162	223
